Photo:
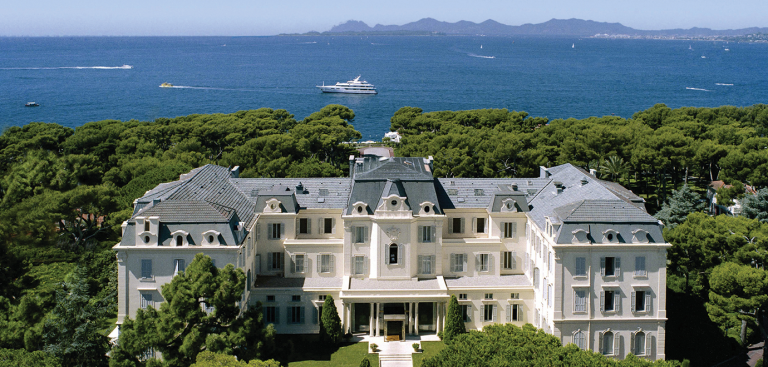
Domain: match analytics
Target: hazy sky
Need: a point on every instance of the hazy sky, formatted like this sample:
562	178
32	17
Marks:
259	17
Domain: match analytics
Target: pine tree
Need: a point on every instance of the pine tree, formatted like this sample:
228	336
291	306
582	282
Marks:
330	327
681	203
454	322
756	206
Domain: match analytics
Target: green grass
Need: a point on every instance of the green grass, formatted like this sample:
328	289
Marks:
429	349
347	356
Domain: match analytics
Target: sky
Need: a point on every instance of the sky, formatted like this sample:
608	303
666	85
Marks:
271	17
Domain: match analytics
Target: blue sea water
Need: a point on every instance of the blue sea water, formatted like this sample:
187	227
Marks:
81	79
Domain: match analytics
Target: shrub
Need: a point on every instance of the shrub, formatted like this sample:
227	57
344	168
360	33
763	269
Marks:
415	346
374	346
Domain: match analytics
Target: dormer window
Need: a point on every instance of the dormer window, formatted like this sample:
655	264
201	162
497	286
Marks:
508	205
610	236
640	236
211	238
273	206
359	208
179	238
580	236
427	208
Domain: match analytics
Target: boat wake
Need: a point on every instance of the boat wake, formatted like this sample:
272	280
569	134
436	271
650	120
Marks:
726	84
208	88
481	56
74	67
699	89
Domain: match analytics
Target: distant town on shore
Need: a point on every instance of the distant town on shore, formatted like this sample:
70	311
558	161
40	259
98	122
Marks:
553	27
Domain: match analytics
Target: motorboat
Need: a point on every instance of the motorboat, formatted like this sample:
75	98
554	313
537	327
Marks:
354	86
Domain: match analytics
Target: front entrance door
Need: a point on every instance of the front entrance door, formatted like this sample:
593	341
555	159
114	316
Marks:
395	330
362	314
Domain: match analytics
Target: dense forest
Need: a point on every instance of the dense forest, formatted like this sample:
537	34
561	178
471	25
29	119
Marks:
64	194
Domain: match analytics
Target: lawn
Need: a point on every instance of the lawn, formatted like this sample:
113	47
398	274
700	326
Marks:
349	355
429	349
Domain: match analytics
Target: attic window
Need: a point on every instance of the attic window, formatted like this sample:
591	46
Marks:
323	192
479	192
359	209
453	192
426	209
394	202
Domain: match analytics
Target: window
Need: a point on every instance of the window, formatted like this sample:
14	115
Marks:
425	234
146	269
393	255
510	260
270	298
275	261
426	264
178	265
322	297
480	225
462	296
640	267
299	261
179	241
580	300
272	314
488	296
359	265
580	340
146	225
458	263
551	293
295	298
514	296
641	344
536	276
146	300
326	263
510	229
457	225
610	301
327	225
581	267
641	301
249	280
275	231
361	234
610	266
305	226
607	343
466	311
514	312
479	192
483	262
489	313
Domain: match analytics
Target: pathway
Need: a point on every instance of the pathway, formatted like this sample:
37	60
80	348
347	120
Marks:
397	354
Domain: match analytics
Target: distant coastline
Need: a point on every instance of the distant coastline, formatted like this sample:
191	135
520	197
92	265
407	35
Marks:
552	28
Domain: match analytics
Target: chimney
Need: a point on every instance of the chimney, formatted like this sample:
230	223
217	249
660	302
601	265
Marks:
300	188
351	166
593	172
544	172
559	186
235	172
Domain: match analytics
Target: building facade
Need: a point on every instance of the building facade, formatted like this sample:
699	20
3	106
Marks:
574	255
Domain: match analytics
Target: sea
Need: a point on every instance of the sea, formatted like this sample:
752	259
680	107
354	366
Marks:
80	79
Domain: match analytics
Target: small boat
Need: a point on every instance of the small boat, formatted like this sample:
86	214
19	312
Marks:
727	49
166	85
573	45
703	57
31	104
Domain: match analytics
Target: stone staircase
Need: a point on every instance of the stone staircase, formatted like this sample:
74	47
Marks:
395	360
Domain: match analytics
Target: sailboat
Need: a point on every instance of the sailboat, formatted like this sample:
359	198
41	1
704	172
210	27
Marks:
573	45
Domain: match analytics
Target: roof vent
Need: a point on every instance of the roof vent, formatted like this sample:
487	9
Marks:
235	172
593	172
559	186
300	188
513	186
584	181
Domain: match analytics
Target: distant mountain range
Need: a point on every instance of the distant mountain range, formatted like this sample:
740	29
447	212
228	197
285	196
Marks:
554	27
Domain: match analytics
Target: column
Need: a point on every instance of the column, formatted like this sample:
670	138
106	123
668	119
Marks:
438	316
343	317
378	319
370	321
445	313
416	320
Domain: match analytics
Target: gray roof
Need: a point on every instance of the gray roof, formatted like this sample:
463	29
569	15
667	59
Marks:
373	167
604	211
263	282
490	281
356	284
188	211
479	192
310	197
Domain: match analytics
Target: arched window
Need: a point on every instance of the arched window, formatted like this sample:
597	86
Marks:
248	284
639	349
179	240
393	254
580	340
607	343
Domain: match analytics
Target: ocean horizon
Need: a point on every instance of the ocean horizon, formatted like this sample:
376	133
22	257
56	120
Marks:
80	79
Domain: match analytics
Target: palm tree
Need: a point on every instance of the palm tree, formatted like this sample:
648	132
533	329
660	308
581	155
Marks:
615	167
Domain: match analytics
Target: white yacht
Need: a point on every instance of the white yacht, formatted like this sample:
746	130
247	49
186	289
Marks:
355	86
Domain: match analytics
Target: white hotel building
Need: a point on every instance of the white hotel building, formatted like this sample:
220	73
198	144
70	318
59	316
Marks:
574	255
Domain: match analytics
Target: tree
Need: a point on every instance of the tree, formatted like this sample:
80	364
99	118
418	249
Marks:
23	358
681	203
454	322
615	167
72	331
181	328
756	206
330	323
210	359
365	362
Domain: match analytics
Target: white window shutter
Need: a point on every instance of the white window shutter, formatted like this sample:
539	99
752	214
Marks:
464	263
633	303
469	312
462	225
495	312
293	263
258	231
309	226
632	342
617	300
616	340
485	227
648	345
647	305
617	265
453	263
333	263
509	313
491	264
365	234
514	229
282	231
520	313
319	263
432	264
478	262
297	226
600	343
433	234
450	225
419	260
514	260
602	301
420	234
400	254
602	266
333	225
365	269
474	225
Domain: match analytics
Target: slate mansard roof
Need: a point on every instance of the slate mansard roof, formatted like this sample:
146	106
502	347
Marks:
565	195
